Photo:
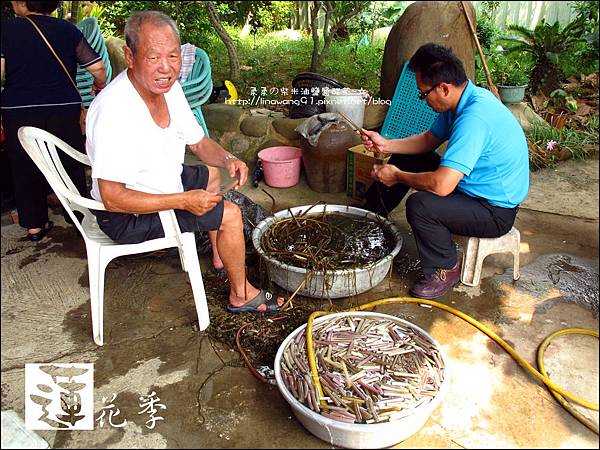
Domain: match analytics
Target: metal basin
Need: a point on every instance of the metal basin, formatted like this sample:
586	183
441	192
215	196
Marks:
358	435
332	283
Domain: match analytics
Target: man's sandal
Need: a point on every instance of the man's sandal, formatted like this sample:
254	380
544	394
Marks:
263	298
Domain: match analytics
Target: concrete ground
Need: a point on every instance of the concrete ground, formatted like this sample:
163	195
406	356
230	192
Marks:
213	401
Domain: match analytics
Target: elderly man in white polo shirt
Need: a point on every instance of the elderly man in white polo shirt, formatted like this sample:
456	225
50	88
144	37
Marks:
137	130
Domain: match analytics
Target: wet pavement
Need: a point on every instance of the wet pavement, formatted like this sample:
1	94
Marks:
213	401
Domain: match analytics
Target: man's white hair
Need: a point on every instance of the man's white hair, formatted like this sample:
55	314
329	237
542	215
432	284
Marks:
137	19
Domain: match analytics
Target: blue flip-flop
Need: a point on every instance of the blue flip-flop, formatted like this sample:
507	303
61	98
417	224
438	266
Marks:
263	298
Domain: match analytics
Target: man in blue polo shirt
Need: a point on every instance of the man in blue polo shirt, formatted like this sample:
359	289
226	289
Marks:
474	189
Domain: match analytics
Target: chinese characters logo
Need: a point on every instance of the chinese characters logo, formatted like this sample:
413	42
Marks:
150	404
112	411
59	396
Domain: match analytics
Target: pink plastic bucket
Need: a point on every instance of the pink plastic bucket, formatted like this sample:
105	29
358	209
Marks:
281	165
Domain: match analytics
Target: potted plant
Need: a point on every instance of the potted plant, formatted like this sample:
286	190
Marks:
560	105
512	81
511	76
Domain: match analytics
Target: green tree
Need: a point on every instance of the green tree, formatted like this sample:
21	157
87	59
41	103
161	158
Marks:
487	31
337	14
377	14
259	15
584	57
234	62
587	15
191	17
74	12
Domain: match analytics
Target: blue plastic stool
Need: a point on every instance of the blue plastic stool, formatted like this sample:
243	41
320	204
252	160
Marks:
407	114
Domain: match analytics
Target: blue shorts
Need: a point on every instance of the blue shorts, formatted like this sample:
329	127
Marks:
127	228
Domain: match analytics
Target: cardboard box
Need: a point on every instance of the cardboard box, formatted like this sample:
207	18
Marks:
359	163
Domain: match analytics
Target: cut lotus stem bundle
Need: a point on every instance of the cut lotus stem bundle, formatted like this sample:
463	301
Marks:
371	370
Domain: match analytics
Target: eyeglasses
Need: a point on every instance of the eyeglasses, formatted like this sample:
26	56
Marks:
423	95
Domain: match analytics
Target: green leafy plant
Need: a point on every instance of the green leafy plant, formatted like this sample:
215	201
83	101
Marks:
587	14
547	43
97	11
262	16
191	18
337	16
377	14
274	62
508	71
487	31
583	57
560	100
514	76
549	145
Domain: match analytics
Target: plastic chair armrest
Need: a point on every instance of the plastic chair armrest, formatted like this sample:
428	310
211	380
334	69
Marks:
90	204
170	224
81	157
168	219
78	199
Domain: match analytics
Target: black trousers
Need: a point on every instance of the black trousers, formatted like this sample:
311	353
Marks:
433	219
30	186
382	199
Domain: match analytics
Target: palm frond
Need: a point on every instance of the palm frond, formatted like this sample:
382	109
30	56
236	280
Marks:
522	47
523	31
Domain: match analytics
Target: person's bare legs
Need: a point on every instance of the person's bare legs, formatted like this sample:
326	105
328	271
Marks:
217	262
214	185
230	241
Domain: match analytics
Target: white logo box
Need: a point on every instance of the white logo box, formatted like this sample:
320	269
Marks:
59	396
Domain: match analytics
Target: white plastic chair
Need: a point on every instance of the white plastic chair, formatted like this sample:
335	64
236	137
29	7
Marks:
41	147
